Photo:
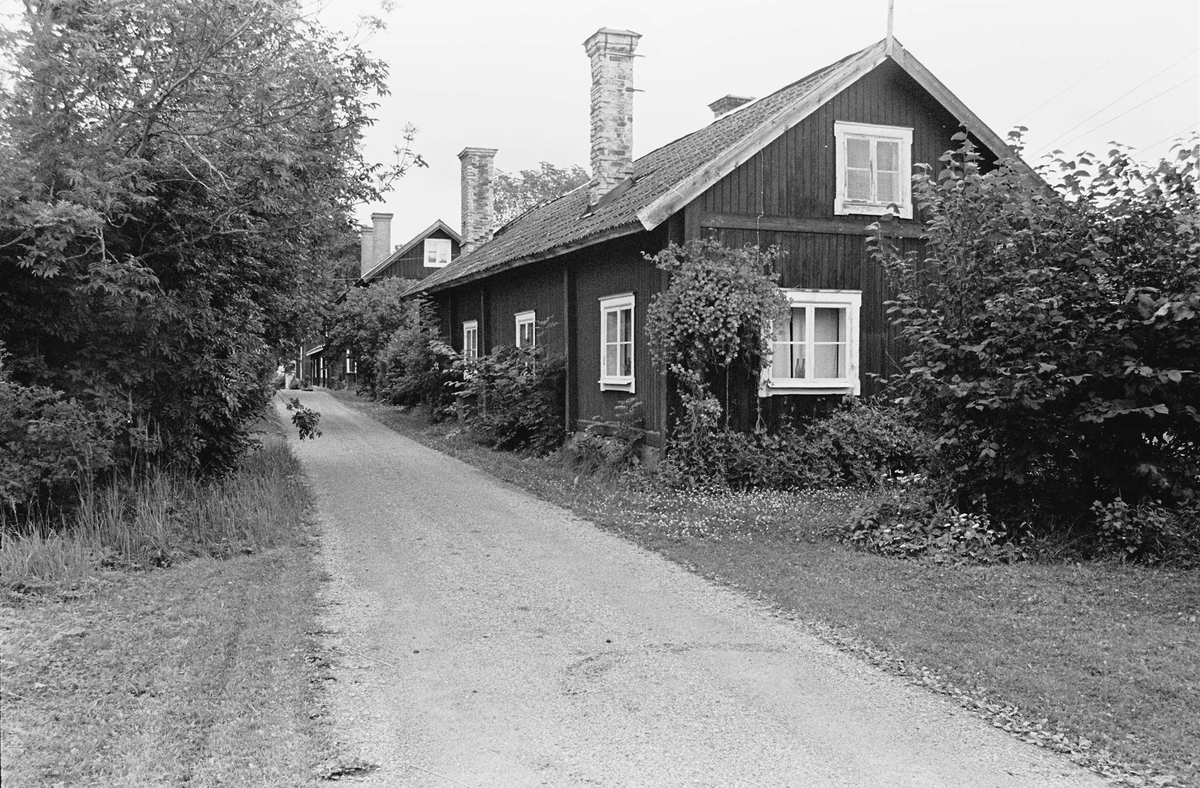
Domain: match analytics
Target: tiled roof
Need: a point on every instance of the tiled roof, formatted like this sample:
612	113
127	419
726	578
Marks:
564	223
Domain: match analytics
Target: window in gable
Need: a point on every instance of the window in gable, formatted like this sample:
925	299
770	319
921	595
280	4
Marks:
816	350
470	340
526	328
874	170
616	343
437	252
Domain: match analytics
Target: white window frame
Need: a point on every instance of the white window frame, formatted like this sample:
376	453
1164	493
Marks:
351	364
470	340
842	205
851	302
442	251
522	319
609	304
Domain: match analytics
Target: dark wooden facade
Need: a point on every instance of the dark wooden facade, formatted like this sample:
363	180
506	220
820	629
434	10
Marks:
411	264
782	195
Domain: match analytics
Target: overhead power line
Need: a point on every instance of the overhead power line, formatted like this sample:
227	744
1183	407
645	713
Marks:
1126	112
1118	98
1029	112
1172	136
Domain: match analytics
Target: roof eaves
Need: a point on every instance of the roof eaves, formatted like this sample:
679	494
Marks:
689	188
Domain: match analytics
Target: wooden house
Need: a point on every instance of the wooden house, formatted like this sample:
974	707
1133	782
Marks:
806	168
428	251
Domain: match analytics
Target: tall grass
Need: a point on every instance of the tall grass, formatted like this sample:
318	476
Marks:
161	519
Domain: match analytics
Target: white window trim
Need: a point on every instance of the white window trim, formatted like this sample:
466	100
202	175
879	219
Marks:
616	303
443	243
851	300
470	350
843	206
528	318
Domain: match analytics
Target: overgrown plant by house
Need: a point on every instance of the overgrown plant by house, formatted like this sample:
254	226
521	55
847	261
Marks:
362	325
516	399
1054	337
417	366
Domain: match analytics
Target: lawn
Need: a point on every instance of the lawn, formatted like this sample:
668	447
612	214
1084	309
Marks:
1097	660
209	672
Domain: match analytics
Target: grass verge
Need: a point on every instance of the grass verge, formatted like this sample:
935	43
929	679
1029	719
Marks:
1098	661
207	673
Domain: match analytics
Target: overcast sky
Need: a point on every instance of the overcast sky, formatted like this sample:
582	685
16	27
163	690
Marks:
513	74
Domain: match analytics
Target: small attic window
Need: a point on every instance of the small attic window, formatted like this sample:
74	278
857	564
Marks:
874	170
437	252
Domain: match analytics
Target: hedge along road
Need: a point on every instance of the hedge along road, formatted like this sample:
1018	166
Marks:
484	638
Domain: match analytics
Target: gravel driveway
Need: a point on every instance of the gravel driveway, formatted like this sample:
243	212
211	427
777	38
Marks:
485	638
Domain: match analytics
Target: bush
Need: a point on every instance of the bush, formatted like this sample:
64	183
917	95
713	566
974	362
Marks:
49	446
417	366
859	445
519	397
1054	338
608	448
911	524
1149	532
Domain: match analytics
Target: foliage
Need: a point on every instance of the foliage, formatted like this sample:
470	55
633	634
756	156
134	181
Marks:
361	325
306	419
418	366
910	524
860	445
1150	532
172	176
516	194
607	448
1052	338
49	446
518	398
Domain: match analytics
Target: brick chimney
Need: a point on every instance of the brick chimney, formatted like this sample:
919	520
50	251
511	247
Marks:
368	250
727	104
478	196
611	53
382	240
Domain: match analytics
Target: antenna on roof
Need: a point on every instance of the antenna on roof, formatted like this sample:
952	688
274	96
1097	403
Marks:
891	16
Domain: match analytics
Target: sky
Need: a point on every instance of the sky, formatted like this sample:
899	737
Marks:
513	75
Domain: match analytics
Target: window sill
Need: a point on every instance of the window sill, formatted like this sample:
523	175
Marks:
617	384
782	387
871	209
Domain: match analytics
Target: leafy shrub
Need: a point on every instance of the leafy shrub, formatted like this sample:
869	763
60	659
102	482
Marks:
364	324
608	448
911	524
1149	532
519	398
49	445
860	444
417	366
1054	338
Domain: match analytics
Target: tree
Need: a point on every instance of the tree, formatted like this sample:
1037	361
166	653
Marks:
362	324
1054	338
516	194
173	174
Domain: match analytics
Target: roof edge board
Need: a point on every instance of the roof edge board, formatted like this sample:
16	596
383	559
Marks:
691	187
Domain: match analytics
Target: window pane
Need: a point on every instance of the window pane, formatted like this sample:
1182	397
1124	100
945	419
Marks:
627	360
610	326
887	156
626	325
889	187
781	360
827	324
858	153
611	354
828	361
858	185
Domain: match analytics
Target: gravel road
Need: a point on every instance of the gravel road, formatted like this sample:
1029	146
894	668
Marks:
486	638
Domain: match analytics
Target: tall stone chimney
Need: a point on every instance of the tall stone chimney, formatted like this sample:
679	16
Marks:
382	241
727	104
611	53
368	250
478	196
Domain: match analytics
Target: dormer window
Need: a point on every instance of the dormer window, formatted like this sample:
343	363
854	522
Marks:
874	170
437	252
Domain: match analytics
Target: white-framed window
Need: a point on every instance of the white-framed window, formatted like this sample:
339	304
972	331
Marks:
874	169
351	365
437	252
470	350
816	350
616	343
526	328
